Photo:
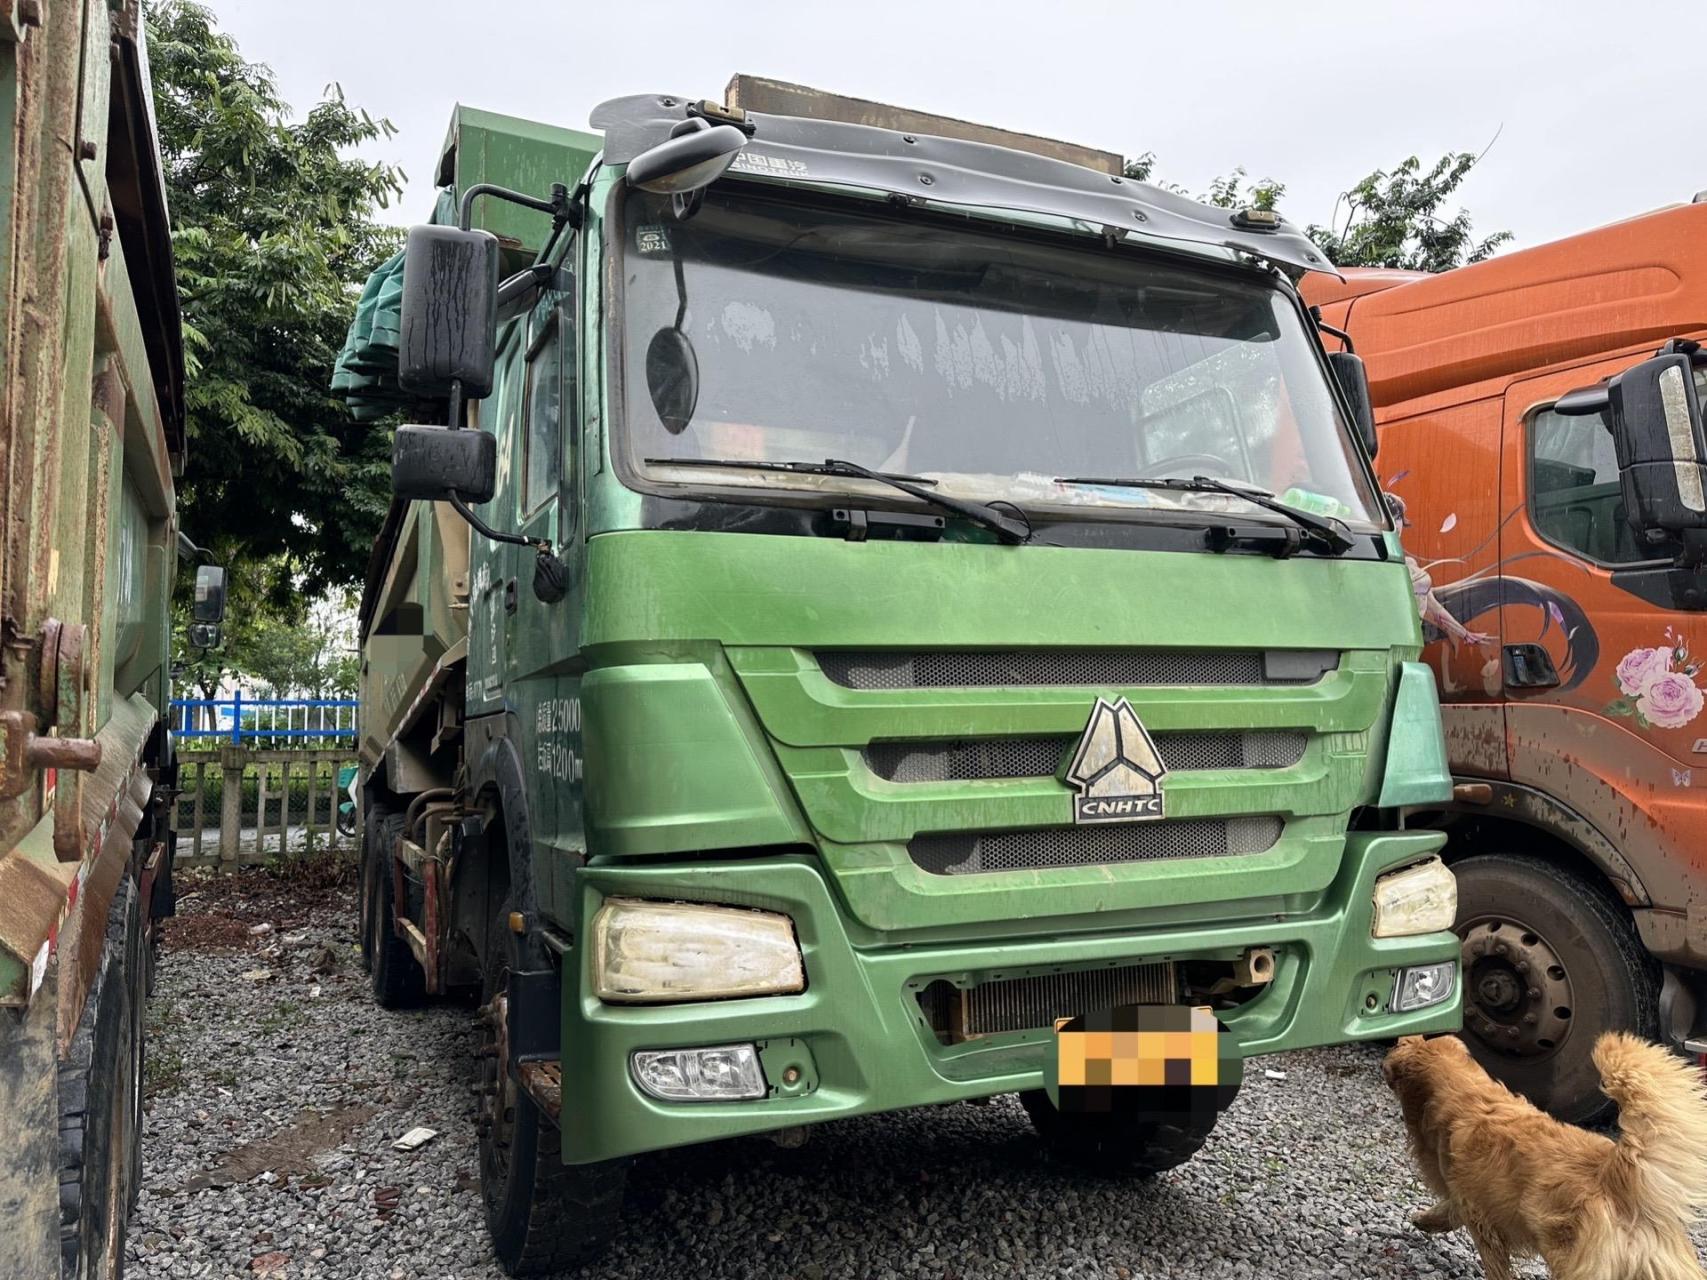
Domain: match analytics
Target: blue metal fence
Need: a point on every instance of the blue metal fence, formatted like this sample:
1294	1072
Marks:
264	721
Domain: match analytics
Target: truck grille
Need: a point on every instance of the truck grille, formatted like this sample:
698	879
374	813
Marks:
1029	1004
971	852
1097	668
973	759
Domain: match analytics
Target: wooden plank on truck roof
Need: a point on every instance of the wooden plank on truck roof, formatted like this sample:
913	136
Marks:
780	98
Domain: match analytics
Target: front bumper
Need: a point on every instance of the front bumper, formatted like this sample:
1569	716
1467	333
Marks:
858	1041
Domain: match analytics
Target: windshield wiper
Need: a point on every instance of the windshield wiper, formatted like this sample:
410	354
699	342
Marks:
1331	533
1006	528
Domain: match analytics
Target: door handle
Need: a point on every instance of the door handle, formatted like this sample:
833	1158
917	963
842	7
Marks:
1528	666
510	596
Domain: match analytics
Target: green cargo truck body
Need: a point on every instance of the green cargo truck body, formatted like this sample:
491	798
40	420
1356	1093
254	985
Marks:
754	791
91	436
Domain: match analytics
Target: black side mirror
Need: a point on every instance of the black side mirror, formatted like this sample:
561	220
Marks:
209	603
694	156
1354	381
449	327
203	635
672	378
1655	417
433	463
1657	431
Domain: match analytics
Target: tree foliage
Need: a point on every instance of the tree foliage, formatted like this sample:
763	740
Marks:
274	231
1392	218
1232	192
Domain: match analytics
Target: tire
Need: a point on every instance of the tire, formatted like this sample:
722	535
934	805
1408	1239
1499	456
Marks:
1116	1145
398	982
543	1215
373	837
99	1105
1571	968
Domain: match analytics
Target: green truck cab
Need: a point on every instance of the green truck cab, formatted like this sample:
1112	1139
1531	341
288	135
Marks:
923	590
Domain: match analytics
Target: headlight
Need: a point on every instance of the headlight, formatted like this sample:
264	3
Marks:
658	952
1419	899
1423	986
728	1072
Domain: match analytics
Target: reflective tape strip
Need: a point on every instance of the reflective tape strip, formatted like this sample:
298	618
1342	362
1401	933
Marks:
1674	398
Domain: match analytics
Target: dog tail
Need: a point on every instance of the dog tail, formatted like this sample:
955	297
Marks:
1662	1118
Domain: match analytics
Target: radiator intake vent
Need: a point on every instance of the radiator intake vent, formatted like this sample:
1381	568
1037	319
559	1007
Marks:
1029	1004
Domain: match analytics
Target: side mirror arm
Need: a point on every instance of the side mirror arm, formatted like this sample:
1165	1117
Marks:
550	574
488	532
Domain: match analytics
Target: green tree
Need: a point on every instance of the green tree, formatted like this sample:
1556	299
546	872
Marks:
1231	192
274	232
1139	168
1393	219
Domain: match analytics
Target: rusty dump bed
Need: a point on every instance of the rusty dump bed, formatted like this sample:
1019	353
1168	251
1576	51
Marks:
1630	285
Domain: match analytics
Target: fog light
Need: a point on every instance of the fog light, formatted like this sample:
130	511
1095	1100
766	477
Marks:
1423	986
1419	899
657	952
725	1073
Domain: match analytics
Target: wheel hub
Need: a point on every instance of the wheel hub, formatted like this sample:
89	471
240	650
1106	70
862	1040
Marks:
1519	997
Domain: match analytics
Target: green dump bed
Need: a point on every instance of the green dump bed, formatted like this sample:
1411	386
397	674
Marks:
482	147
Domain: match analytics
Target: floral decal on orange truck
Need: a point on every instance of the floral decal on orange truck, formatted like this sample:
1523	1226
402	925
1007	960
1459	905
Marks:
1658	685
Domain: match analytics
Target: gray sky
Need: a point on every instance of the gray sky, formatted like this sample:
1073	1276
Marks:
1596	114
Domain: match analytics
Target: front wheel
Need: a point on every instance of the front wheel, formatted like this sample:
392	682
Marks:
1117	1144
1549	963
544	1215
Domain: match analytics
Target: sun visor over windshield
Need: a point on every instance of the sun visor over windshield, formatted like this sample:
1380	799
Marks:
950	171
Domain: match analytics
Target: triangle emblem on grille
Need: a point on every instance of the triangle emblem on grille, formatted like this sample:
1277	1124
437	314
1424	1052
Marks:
1116	769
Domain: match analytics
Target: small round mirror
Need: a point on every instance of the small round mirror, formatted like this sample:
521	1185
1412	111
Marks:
672	376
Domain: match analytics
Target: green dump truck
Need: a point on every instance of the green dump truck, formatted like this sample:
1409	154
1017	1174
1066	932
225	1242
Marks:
878	593
91	436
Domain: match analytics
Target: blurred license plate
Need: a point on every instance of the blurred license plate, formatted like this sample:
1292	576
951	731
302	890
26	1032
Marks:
1161	1059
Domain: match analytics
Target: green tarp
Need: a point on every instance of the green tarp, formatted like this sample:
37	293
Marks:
480	147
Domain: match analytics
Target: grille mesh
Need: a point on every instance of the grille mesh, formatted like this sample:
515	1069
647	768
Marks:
968	853
1109	668
1029	1004
974	759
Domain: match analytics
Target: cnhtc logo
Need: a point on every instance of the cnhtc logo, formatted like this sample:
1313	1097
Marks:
1116	768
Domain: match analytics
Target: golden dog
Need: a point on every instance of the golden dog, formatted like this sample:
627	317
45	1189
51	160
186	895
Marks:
1523	1184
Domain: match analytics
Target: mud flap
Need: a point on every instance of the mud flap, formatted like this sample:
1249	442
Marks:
29	1099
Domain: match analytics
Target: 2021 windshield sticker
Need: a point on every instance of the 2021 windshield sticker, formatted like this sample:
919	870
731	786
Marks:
750	161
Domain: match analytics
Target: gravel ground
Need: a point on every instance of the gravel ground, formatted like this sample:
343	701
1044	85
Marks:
276	1089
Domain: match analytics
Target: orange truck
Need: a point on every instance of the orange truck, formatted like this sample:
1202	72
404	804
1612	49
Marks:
1540	435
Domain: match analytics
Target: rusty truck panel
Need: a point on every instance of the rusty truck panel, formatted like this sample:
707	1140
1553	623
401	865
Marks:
91	437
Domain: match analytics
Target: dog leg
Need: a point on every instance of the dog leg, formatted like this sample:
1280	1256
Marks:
1496	1258
1442	1217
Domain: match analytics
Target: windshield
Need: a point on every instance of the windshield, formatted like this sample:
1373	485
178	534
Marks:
993	365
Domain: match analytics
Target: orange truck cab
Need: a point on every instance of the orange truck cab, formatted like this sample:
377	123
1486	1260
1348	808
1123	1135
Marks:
1558	543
